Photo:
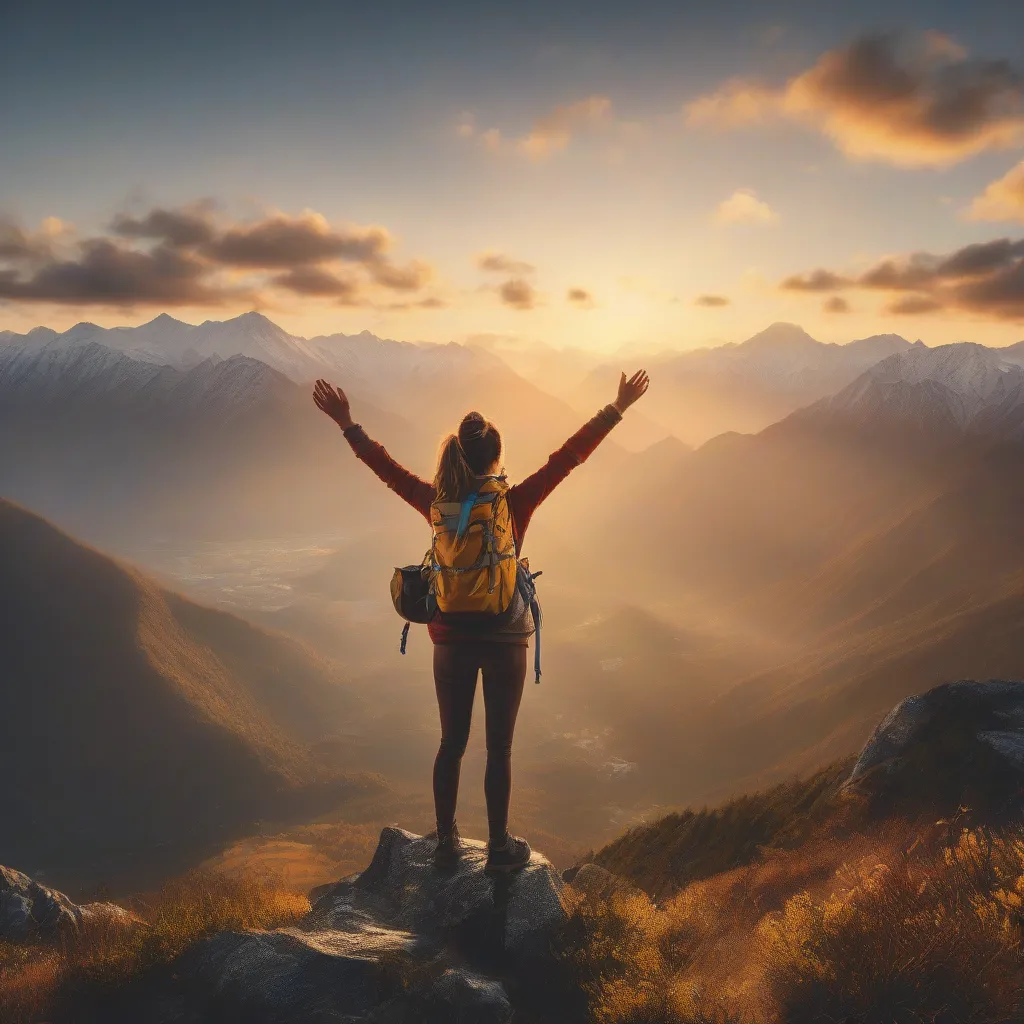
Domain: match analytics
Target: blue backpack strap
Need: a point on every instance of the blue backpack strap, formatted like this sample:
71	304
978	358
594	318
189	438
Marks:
464	513
535	609
530	592
405	637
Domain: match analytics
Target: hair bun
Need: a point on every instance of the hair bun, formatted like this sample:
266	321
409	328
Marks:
473	425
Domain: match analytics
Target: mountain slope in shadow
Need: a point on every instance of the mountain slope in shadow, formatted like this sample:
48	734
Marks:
139	729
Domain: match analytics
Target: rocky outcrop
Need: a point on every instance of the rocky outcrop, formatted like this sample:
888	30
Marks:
31	912
400	942
959	745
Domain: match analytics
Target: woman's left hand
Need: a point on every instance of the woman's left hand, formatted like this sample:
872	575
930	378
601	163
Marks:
334	402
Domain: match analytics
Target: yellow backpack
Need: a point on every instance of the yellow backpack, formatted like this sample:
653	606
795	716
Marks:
473	554
471	575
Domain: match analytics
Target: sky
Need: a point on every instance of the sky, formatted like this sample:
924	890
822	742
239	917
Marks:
595	174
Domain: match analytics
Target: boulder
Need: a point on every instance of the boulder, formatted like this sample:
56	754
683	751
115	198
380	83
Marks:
463	908
959	745
32	912
399	942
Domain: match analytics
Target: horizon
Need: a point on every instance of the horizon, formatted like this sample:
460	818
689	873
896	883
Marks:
657	177
499	343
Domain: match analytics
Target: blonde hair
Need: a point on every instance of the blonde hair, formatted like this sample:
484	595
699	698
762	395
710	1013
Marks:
465	456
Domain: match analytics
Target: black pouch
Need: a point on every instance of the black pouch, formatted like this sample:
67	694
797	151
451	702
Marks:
411	593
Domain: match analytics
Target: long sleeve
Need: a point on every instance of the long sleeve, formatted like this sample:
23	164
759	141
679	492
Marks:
524	497
408	486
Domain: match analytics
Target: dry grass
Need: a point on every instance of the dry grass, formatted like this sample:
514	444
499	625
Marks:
36	981
886	928
905	938
665	855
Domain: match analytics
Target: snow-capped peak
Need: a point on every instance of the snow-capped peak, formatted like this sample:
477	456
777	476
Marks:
962	386
975	373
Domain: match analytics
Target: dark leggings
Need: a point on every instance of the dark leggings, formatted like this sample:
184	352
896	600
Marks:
455	673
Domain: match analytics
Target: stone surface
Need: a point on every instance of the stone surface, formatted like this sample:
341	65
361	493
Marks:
463	907
400	942
31	912
959	743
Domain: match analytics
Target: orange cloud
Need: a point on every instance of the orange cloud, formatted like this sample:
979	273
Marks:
550	133
984	278
817	281
32	246
743	207
909	101
555	130
518	294
1003	199
580	298
500	263
711	301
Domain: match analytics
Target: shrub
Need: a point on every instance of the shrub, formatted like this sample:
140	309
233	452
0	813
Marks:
624	956
905	939
36	980
664	856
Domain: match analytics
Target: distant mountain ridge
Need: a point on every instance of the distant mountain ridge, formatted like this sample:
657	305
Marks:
90	373
361	358
744	387
961	388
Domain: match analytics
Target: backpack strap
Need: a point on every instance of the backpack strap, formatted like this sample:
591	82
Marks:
464	513
535	611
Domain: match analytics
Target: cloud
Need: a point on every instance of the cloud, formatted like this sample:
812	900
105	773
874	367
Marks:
194	255
190	225
984	278
1003	199
430	302
743	207
549	134
914	305
315	281
518	294
906	100
499	263
409	278
816	281
282	241
555	130
711	301
580	298
836	304
31	246
107	274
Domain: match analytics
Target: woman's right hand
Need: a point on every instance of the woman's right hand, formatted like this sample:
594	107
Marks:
631	390
334	402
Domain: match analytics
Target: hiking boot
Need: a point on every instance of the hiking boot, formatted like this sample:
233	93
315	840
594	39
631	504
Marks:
512	855
448	849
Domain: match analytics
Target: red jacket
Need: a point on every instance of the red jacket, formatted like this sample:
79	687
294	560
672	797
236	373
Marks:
523	498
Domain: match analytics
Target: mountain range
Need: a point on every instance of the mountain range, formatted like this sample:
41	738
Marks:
872	540
197	435
792	583
360	359
959	388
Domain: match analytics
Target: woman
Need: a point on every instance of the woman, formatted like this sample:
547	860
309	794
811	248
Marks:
461	653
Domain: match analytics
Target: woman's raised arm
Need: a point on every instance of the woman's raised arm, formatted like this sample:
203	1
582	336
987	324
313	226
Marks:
417	492
526	496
